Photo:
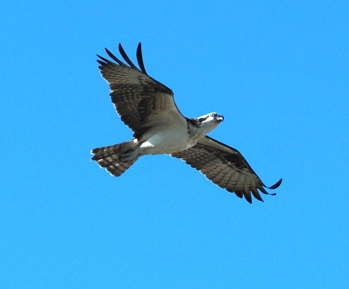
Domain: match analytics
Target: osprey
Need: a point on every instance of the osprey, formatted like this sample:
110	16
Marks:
147	107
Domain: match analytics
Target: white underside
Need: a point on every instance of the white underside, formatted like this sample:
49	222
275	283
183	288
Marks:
166	140
168	133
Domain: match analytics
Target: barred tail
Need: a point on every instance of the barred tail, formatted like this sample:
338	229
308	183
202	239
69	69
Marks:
109	157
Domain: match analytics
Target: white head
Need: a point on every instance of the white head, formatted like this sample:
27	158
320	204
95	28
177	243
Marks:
204	124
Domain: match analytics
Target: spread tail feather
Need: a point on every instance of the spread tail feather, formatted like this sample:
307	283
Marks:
109	157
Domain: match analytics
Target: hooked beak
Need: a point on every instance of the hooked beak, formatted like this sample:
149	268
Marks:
220	118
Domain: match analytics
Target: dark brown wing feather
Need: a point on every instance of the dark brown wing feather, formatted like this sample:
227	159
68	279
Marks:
137	97
226	167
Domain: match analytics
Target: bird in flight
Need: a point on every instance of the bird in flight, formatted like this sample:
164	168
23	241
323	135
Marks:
148	108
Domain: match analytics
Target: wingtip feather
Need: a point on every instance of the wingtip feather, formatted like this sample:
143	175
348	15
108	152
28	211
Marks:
140	58
126	58
112	56
257	195
276	185
102	58
248	197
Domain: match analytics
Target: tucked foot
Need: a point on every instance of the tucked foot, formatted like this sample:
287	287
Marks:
129	156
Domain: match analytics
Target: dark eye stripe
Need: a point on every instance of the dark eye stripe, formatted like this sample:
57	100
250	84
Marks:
203	118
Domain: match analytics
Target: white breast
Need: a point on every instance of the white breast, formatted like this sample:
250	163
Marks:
166	140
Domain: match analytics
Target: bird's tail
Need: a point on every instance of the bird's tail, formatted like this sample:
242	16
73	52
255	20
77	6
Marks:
110	157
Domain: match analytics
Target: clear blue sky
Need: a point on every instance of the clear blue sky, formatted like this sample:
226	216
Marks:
279	73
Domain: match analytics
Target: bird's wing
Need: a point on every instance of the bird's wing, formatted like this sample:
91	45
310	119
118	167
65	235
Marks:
226	167
140	100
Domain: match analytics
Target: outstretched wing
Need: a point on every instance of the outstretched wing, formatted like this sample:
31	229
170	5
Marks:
225	167
140	100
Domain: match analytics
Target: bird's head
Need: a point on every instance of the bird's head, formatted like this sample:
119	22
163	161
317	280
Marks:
208	122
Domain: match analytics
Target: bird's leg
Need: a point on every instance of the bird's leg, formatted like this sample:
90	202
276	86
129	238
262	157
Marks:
130	155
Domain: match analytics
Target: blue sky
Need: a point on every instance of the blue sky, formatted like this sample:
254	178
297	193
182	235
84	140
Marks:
277	71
